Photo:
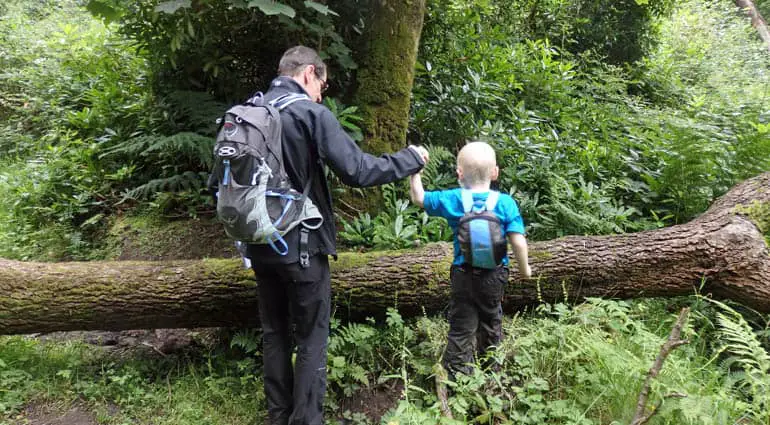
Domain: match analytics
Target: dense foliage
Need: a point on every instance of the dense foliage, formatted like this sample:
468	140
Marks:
229	48
589	147
635	118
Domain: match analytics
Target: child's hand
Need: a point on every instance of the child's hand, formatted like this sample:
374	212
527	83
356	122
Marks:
422	152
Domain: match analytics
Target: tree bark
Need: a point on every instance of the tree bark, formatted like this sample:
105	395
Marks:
386	73
756	20
723	253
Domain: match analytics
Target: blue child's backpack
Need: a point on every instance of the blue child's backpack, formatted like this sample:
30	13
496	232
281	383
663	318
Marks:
479	232
255	201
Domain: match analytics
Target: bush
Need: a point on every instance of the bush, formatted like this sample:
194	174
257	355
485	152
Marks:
588	147
70	89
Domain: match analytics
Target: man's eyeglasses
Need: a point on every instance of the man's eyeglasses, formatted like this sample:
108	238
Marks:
324	84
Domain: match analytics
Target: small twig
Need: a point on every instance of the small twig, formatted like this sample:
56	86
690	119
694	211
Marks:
641	416
441	392
350	215
145	343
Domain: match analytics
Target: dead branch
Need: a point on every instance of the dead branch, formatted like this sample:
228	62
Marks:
642	416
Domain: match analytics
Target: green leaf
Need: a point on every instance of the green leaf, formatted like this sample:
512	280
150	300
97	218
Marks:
269	7
172	6
103	10
320	8
338	361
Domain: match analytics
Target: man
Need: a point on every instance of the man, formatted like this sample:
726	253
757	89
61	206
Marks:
295	289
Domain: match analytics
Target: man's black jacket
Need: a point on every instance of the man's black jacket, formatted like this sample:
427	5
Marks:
312	138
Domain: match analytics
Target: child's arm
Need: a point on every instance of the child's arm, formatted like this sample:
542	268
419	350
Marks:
416	191
520	250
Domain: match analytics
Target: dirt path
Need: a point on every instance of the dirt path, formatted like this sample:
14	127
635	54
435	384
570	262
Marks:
43	414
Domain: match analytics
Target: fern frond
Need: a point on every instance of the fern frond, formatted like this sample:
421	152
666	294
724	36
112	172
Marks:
188	180
248	340
748	353
359	374
197	111
194	146
191	145
741	340
439	171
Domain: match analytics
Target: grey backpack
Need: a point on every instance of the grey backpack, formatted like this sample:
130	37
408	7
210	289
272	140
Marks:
255	201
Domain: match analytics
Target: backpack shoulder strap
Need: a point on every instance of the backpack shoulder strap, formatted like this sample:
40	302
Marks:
492	199
280	104
257	100
287	99
467	198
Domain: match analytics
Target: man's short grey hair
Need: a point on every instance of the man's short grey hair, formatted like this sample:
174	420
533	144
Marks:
297	58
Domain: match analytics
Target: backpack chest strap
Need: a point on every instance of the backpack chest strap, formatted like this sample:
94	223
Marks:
467	198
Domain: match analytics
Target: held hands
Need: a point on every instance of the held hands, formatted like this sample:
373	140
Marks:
422	152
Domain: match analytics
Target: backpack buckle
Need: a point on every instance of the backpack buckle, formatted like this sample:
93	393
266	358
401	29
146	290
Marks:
304	256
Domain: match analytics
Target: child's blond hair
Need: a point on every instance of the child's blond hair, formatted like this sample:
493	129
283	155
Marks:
477	162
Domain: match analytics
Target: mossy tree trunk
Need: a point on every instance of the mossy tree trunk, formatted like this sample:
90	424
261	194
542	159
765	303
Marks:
386	73
724	252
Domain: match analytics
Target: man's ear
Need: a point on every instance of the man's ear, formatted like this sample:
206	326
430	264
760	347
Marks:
495	173
459	173
307	74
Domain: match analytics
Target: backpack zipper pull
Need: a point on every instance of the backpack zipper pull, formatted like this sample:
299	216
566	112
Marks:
226	179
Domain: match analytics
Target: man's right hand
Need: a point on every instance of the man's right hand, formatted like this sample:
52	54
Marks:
422	152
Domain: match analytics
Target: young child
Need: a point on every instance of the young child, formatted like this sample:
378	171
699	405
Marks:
475	311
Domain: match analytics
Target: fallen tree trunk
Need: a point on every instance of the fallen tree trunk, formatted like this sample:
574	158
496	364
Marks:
723	252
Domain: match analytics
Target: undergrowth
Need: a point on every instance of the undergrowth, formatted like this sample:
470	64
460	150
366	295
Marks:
561	364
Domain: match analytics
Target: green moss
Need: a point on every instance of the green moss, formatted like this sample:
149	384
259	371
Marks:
540	255
759	213
231	267
439	272
350	260
150	237
386	76
151	233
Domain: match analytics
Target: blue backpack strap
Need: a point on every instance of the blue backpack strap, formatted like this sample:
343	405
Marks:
467	198
492	199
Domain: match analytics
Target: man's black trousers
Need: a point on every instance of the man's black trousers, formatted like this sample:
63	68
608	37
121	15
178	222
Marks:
294	307
475	315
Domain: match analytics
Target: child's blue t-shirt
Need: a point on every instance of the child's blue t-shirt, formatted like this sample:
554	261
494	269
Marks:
449	204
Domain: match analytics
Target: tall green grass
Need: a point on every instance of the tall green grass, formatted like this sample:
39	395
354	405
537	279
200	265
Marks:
135	387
